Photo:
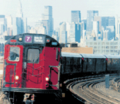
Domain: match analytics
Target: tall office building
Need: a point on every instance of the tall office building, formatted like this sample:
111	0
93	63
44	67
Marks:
47	20
111	21
107	21
105	34
63	33
90	19
104	22
68	31
81	29
40	29
117	27
98	19
55	35
75	16
84	23
9	21
9	25
25	26
19	20
111	32
3	24
96	28
64	37
75	32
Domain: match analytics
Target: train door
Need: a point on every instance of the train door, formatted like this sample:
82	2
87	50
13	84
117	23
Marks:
33	72
13	65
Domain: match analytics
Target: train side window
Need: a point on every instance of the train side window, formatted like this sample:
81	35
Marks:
14	54
33	56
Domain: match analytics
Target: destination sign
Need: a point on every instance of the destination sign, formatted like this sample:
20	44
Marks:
39	39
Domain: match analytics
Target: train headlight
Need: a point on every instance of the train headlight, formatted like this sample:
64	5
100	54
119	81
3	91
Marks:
16	77
20	39
47	78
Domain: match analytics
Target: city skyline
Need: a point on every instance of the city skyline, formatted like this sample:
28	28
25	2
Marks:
33	10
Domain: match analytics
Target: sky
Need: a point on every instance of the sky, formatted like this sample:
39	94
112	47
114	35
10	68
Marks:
33	9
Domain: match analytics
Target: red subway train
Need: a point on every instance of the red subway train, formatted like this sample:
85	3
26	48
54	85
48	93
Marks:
31	66
35	65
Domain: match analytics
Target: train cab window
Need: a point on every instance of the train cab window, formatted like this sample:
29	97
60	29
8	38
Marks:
33	56
14	54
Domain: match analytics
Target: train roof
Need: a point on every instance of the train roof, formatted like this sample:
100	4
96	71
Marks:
82	55
30	39
64	54
93	56
112	56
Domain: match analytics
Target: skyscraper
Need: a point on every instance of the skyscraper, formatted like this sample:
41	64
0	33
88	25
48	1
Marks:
111	21
111	32
90	19
117	27
107	21
75	32
25	26
3	24
47	20
63	33
104	22
98	19
84	23
55	35
19	20
96	28
9	25
75	16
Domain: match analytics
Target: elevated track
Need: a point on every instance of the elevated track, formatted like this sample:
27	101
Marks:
85	91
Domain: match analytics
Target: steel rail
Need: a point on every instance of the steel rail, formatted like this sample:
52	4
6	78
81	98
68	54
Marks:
88	93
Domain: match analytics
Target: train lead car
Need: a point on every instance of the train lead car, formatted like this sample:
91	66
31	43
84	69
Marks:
30	66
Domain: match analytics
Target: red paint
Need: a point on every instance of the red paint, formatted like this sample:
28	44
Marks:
47	58
10	78
13	41
50	59
34	78
35	73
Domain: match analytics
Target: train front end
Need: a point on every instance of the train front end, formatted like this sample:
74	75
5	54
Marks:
31	65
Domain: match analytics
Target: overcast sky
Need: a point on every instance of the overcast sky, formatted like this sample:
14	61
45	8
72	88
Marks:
33	9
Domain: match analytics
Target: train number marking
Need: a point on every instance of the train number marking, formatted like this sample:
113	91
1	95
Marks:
28	38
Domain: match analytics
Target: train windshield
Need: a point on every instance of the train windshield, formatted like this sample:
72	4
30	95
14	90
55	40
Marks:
33	56
14	54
